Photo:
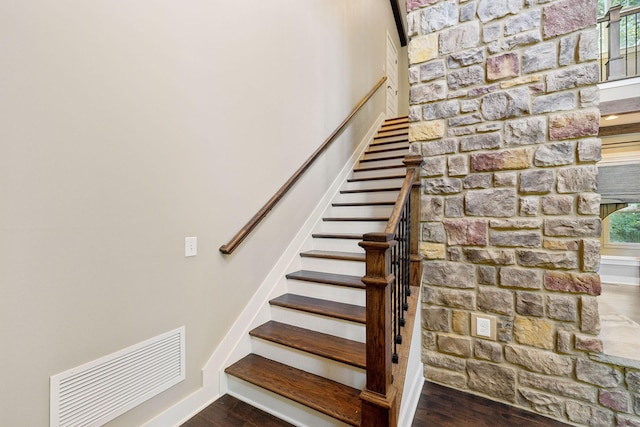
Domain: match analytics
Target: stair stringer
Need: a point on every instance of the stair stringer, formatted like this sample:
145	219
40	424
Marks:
237	342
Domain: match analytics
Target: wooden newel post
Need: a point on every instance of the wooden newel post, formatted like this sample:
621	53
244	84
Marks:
379	407
415	162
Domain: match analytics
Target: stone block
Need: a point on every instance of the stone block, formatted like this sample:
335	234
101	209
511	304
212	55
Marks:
541	56
567	227
426	130
494	380
415	113
536	182
588	415
506	179
567	50
564	342
508	159
495	300
588	343
465	58
534	332
455	298
441	110
557	205
501	202
532	80
467	11
456	345
632	379
627	421
433	232
578	283
442	15
439	147
506	104
469	105
454	254
446	377
432	208
417	4
566	16
477	181
460	322
467	232
555	102
428	340
589	315
516	224
432	70
590	255
488	10
578	179
491	257
432	250
434	166
529	206
427	92
588	46
561	307
513	239
529	304
423	48
543	403
442	186
556	154
520	278
488	350
487	275
618	400
589	97
449	274
503	66
540	361
561	245
522	39
489	127
574	124
458	165
454	207
436	319
590	150
460	37
465	120
559	386
532	130
571	77
522	22
539	259
491	32
444	361
480	142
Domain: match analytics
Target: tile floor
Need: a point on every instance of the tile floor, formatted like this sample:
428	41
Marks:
619	307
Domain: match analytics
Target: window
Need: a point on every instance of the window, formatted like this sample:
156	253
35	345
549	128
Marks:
623	228
604	5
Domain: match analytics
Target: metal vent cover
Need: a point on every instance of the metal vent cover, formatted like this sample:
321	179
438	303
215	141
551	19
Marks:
101	390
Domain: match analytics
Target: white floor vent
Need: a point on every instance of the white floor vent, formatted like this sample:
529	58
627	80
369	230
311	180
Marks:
99	391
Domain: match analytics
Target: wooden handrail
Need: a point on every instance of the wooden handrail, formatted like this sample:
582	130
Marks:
405	192
262	213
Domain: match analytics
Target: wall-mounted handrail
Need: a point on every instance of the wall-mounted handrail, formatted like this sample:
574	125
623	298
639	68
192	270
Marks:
262	213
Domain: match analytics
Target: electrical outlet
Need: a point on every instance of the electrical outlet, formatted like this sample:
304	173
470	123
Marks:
484	326
190	246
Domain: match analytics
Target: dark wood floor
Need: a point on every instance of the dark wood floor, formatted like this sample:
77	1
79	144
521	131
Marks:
438	407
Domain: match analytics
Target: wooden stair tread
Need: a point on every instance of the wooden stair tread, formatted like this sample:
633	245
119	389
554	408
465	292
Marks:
345	256
337	310
386	140
393	126
324	345
377	159
398	132
351	204
328	278
370	190
378	168
357	219
329	397
388	150
337	236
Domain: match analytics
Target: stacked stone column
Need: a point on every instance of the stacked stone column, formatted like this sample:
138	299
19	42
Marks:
504	111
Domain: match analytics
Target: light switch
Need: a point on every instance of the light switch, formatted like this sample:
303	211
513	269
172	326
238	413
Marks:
190	246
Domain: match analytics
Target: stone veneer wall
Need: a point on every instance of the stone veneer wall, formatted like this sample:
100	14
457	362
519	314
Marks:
504	111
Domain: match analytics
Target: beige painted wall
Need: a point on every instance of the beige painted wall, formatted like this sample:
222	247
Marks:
126	126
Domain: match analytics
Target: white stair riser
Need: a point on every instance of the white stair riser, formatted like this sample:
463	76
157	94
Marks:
336	293
354	268
355	227
370	211
378	183
321	366
382	196
339	245
279	406
380	172
327	325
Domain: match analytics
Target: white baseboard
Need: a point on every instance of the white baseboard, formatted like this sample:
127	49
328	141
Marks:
236	343
620	270
415	374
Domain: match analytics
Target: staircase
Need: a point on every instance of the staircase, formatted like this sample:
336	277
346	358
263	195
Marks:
309	359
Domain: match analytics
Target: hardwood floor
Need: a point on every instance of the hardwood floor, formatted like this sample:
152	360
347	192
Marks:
438	407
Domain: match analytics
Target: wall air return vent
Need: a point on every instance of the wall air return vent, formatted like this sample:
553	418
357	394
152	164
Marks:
99	391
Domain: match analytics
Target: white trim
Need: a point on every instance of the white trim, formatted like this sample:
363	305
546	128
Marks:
620	270
236	342
619	83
